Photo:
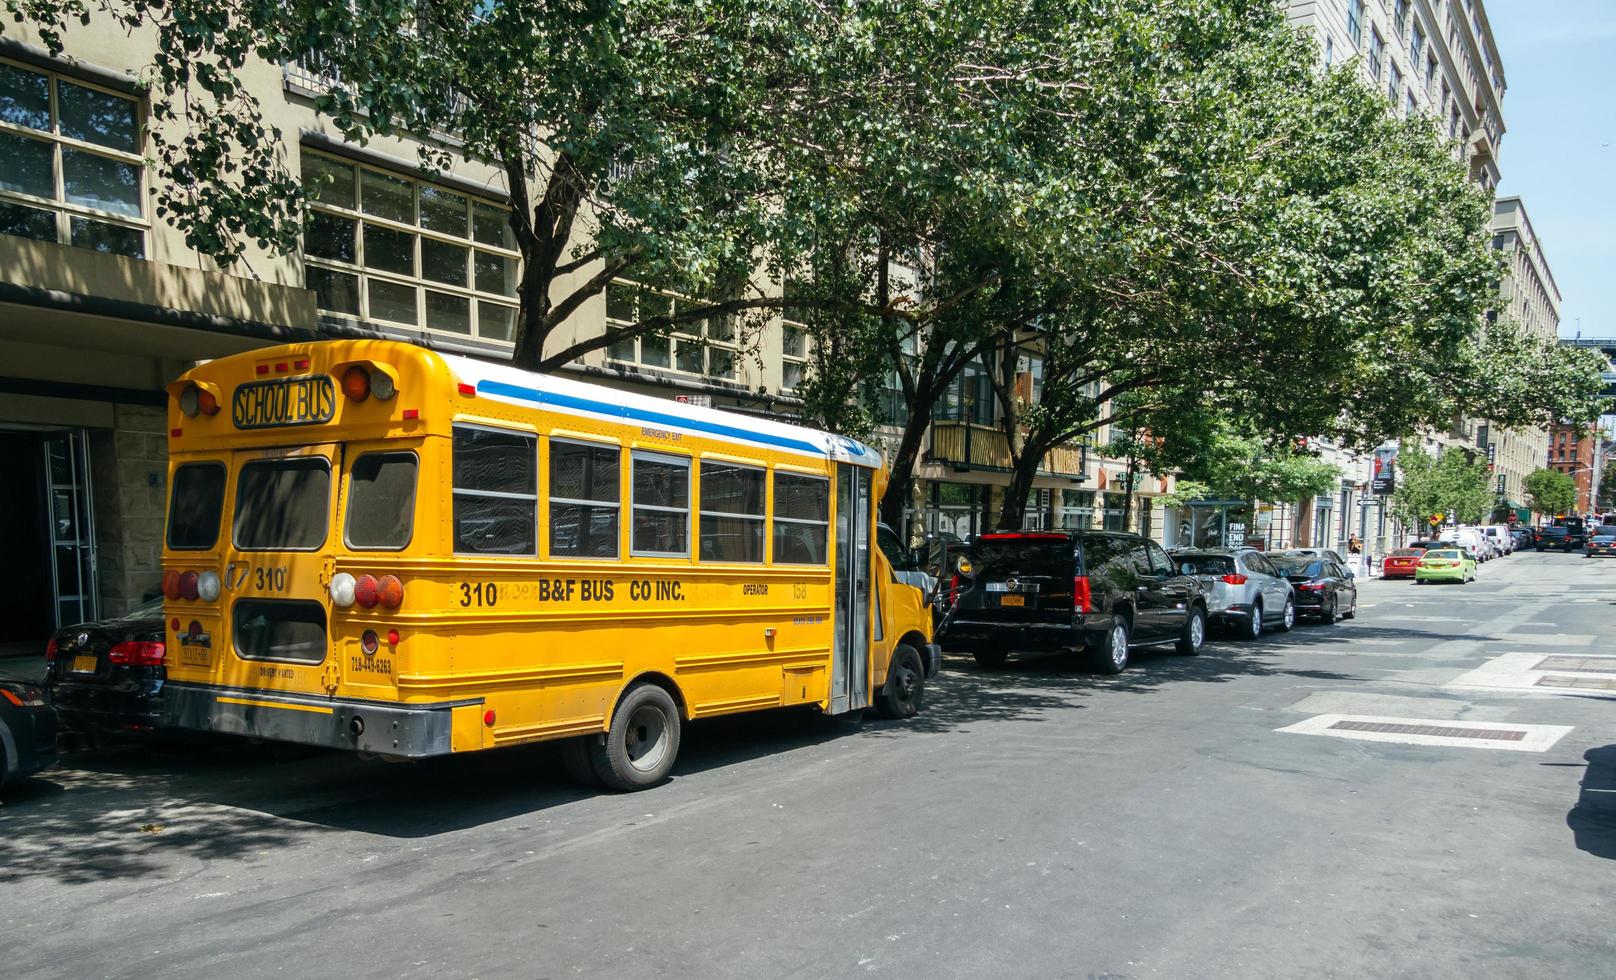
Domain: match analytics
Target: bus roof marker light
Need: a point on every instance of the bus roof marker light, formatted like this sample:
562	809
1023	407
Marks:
342	590
470	391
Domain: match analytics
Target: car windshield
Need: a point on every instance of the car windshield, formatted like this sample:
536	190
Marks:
1441	554
1554	532
1205	564
1296	565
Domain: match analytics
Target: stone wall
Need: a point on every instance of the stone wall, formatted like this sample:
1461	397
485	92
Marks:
128	466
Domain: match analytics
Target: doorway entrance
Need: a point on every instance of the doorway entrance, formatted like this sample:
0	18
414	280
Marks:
47	533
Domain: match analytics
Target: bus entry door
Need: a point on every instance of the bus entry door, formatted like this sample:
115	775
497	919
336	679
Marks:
850	650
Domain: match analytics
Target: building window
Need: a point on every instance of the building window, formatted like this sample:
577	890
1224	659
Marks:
969	398
1076	510
1408	107
1416	46
1377	50
1355	13
1329	51
70	165
1399	15
388	248
703	348
793	355
1394	83
1430	72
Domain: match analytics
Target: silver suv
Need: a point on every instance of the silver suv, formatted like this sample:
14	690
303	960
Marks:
1243	589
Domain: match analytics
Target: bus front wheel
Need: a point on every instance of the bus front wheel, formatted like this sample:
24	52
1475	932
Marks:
905	686
639	749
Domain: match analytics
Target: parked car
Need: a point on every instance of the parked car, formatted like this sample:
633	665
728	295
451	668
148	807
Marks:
1498	535
1468	538
1324	589
1401	563
1243	589
106	678
27	730
1523	537
1554	538
1100	592
1446	565
1601	542
1329	553
1576	530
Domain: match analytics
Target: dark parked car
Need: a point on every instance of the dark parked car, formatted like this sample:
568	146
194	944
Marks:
1555	538
1601	542
27	730
1323	588
1100	592
106	678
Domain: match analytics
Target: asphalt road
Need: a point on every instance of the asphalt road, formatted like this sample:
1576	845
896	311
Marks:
1034	822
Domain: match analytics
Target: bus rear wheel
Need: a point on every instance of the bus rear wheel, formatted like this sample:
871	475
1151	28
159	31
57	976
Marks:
905	687
639	749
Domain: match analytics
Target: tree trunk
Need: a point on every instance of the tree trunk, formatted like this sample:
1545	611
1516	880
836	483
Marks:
1013	511
1127	495
902	476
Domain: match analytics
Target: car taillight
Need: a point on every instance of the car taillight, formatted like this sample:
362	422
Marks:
50	649
1310	587
1235	579
1082	598
137	653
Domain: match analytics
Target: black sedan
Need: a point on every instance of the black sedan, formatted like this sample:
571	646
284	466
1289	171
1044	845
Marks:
106	678
27	730
1601	543
1324	589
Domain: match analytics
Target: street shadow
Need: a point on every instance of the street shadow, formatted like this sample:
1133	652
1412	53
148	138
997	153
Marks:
1593	819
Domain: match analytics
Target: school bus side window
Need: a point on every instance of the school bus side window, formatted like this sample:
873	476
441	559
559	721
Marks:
194	509
661	523
731	512
381	501
801	519
585	497
496	495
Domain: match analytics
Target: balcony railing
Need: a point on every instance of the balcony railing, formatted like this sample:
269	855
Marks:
971	446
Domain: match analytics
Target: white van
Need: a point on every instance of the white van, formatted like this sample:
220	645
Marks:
1469	538
1499	535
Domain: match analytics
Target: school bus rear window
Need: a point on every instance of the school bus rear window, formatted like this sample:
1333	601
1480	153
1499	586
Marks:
197	502
283	504
381	501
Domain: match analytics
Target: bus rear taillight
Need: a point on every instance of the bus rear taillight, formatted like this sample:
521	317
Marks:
390	592
356	383
188	585
196	400
171	584
366	592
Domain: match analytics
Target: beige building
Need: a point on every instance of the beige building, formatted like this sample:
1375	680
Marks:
1531	299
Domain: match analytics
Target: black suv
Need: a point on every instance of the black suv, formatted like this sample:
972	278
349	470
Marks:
1100	592
1556	536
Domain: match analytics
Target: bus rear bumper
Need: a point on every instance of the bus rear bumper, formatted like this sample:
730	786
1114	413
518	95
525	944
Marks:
407	731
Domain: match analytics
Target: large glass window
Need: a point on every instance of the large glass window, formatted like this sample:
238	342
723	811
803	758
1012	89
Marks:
1377	52
731	512
70	164
584	499
801	519
704	347
384	247
283	504
381	501
195	506
661	524
793	355
496	493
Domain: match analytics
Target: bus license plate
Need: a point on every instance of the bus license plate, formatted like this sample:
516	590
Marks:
84	664
1012	600
195	656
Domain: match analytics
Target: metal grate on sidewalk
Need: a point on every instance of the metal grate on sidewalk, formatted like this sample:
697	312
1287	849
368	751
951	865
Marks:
1390	728
1587	665
1578	683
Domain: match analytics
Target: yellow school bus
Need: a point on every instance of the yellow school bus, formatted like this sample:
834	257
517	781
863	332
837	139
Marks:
377	547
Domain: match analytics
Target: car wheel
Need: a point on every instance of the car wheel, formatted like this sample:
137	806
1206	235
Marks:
575	760
1353	612
639	749
1287	619
990	659
1112	655
1327	614
1193	637
1254	628
905	688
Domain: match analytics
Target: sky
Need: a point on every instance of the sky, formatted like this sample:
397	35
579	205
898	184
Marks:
1559	147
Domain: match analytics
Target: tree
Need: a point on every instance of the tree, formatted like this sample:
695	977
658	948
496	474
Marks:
637	139
1449	484
1550	491
1607	484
